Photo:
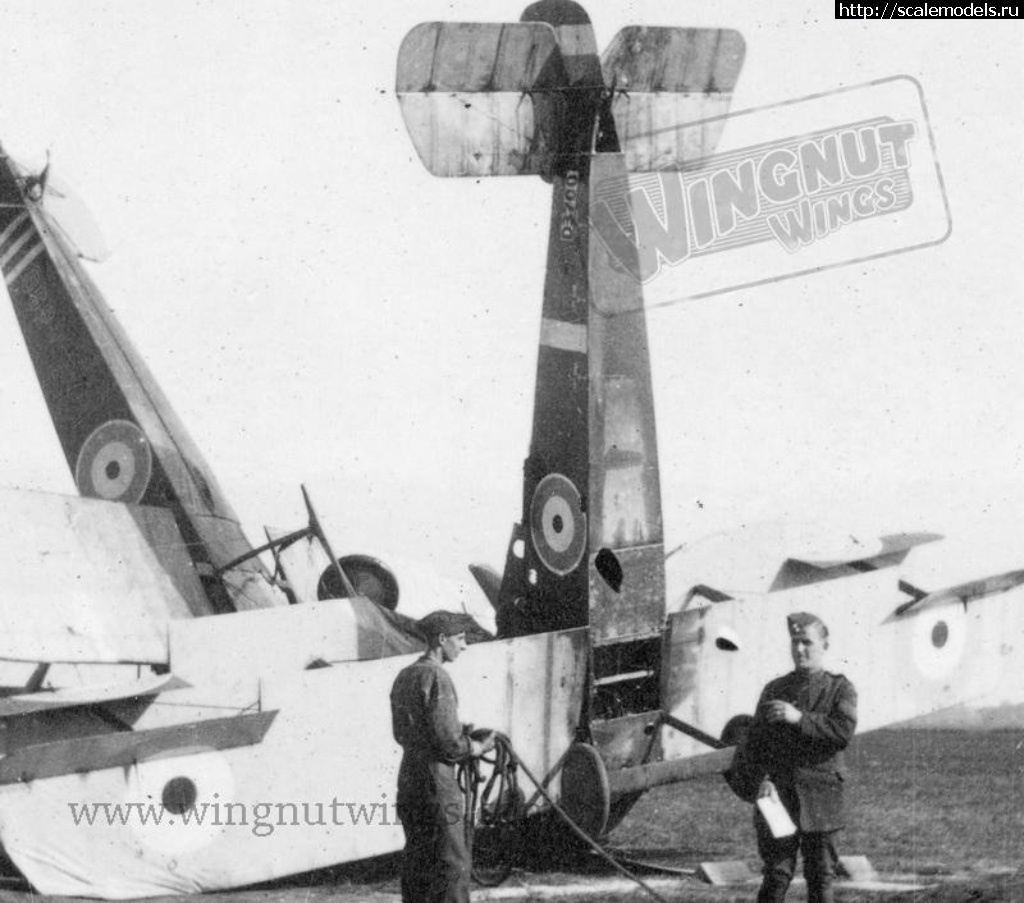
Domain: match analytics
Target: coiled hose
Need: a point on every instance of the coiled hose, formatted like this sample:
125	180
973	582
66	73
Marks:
499	803
503	815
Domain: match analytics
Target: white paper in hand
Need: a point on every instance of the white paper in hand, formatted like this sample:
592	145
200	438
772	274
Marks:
775	814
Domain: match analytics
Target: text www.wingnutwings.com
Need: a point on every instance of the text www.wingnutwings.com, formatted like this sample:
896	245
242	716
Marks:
262	819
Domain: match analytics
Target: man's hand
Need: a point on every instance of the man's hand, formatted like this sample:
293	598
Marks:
483	742
777	711
767	788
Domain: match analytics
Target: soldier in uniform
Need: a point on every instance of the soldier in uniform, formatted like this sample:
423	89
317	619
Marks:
793	751
424	717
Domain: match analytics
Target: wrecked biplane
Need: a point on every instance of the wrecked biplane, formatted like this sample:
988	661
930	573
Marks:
202	751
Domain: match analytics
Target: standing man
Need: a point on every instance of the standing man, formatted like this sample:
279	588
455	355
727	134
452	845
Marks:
424	718
793	752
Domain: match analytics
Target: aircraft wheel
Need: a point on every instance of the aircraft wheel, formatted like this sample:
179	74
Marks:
586	797
370	577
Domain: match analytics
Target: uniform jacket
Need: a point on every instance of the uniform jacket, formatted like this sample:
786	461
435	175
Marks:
425	722
804	760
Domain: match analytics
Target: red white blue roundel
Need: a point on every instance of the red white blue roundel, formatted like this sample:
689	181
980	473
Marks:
558	525
115	463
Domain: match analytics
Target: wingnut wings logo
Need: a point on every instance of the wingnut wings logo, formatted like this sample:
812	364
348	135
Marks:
798	187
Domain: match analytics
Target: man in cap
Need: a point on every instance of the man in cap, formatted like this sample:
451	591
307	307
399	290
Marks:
793	752
424	718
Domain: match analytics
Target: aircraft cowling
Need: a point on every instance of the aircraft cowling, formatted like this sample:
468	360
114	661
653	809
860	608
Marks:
369	576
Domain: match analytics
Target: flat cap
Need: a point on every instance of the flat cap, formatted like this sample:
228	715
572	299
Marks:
799	621
437	622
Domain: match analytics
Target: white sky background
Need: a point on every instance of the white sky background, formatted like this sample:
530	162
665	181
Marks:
319	308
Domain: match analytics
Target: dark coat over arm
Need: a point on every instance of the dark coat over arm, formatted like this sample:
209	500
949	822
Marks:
803	760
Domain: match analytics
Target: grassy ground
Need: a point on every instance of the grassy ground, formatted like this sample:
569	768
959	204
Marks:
919	801
943	803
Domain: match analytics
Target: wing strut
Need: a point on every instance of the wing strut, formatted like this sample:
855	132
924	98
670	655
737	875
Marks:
313	530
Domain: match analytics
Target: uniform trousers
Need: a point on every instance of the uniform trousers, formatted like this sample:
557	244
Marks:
436	863
779	857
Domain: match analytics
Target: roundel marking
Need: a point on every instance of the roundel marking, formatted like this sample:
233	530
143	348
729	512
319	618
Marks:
179	795
558	525
191	790
940	637
115	463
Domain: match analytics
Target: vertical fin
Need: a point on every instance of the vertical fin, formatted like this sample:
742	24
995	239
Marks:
591	498
119	435
625	489
546	588
589	550
591	494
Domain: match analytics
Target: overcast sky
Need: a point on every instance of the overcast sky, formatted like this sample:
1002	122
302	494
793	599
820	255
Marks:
319	308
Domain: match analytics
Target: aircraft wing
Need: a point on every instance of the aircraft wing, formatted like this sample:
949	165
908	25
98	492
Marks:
83	581
962	593
69	697
886	551
771	557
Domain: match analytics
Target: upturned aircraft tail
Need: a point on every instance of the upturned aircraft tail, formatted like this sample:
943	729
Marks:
119	435
535	98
